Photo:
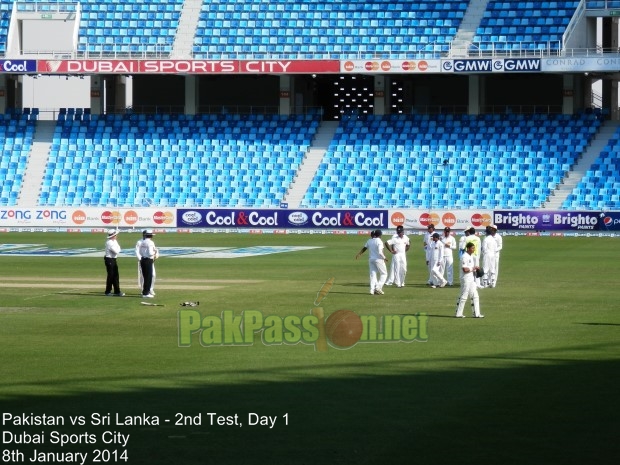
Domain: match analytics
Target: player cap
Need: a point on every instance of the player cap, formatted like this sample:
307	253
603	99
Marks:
112	232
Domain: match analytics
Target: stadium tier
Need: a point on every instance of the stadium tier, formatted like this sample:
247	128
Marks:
600	187
321	28
129	26
443	161
175	160
16	135
317	28
412	161
523	25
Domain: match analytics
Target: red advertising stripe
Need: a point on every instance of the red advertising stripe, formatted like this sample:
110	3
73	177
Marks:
187	66
289	66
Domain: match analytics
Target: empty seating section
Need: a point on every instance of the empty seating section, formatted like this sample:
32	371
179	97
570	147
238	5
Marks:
16	134
130	27
392	161
444	161
316	28
599	189
5	20
322	28
601	4
175	160
523	25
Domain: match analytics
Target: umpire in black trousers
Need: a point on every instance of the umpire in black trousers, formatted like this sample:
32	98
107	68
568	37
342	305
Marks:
148	253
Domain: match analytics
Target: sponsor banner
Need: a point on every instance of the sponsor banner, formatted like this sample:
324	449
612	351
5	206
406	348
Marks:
457	220
187	66
105	217
280	218
609	221
609	63
546	220
492	65
18	66
390	66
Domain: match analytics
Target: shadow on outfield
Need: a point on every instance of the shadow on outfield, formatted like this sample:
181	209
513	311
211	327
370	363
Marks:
600	324
564	413
365	285
128	295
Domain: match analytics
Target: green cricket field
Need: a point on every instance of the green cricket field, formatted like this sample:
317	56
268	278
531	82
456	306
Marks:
238	364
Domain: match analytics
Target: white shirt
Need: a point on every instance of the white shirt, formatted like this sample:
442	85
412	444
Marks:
500	242
112	248
138	244
436	252
147	249
467	261
449	245
375	249
399	244
489	246
428	242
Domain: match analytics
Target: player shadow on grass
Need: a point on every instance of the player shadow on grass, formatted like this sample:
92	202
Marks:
407	286
98	294
600	324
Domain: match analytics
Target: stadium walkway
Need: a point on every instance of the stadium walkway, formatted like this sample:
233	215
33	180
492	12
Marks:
37	161
588	157
310	164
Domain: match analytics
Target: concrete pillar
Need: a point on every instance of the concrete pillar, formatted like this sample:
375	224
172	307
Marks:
286	92
379	91
568	92
96	95
191	94
120	102
476	94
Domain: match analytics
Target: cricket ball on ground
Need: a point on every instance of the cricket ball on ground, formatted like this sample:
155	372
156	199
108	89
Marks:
343	328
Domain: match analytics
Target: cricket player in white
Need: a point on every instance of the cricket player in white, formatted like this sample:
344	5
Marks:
376	262
500	244
398	245
427	242
449	244
489	252
468	283
435	262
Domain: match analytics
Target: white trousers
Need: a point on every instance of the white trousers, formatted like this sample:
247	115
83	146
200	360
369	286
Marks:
488	265
448	268
437	278
468	290
398	270
378	274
